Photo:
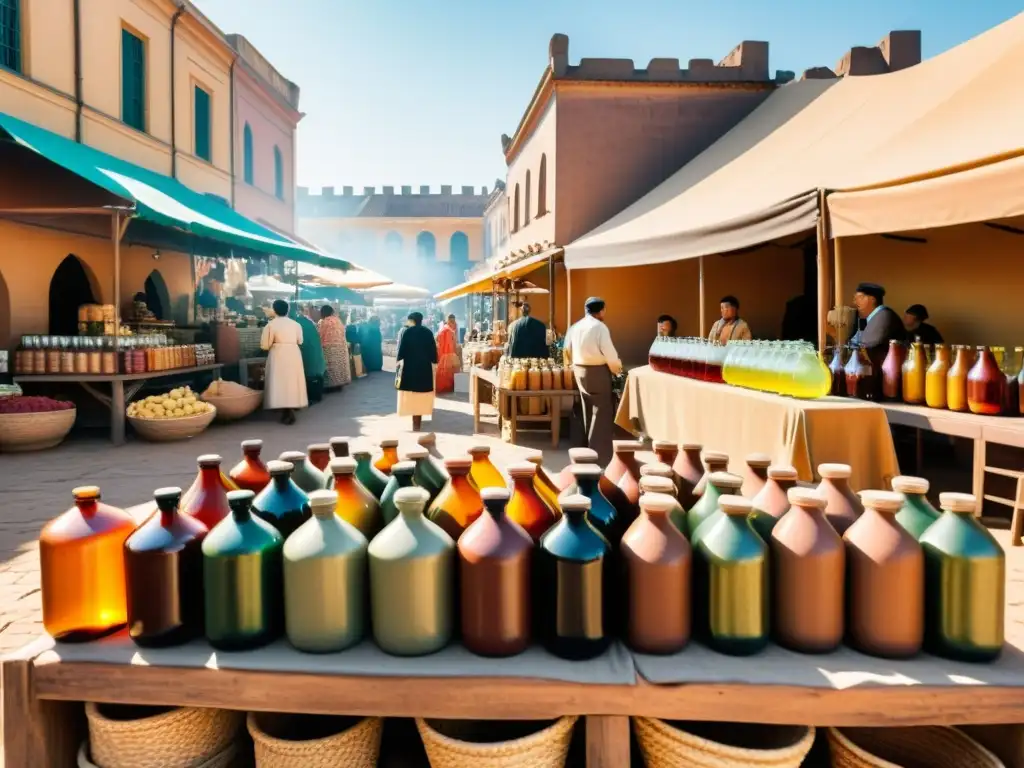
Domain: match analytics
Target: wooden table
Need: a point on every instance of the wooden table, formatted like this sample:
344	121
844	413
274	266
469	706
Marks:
123	387
483	383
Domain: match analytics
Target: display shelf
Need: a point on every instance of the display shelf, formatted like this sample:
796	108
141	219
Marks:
483	383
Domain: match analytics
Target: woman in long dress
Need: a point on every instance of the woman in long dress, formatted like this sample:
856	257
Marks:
373	344
417	360
448	362
285	380
332	336
313	362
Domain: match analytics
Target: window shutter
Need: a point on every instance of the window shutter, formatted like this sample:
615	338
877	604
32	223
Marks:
202	124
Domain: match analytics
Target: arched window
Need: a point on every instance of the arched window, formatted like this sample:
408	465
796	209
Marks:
278	174
70	287
426	246
542	187
459	247
247	161
158	298
526	208
393	243
515	211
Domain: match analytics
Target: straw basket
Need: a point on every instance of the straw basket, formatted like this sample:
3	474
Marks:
167	430
34	431
144	737
546	748
234	407
920	747
355	746
226	758
723	745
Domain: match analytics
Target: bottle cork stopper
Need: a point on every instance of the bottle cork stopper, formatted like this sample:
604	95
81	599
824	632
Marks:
759	460
664	445
715	457
428	439
411	494
416	454
958	502
883	501
627	446
342	466
255	443
361	453
656	484
656	469
167	494
522	469
389	442
403	468
574	503
725	480
735	505
323	499
279	467
909	484
338	440
86	492
209	460
782	472
457	463
480	450
295	457
806	497
317	447
691	446
583	456
585	470
835	471
495	494
240	498
657	502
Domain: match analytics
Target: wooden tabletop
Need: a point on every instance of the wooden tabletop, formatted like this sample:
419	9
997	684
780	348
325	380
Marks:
102	377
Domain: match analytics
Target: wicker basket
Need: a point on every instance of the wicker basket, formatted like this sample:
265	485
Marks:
167	430
234	407
919	747
34	431
353	745
146	737
545	748
226	758
723	745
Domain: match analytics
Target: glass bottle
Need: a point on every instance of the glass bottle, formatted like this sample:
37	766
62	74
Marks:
389	455
917	513
242	579
424	475
602	514
319	455
860	375
207	500
628	502
667	453
719	484
935	379
325	580
689	469
985	385
731	588
565	482
434	459
543	484
483	473
401	477
356	505
282	503
459	503
81	564
892	372
623	455
526	507
1011	393
714	461
885	581
340	447
956	379
965	584
808	566
915	372
835	368
843	506
372	478
658	563
755	473
250	474
1020	383
412	580
573	564
305	474
495	568
807	377
163	563
660	484
773	501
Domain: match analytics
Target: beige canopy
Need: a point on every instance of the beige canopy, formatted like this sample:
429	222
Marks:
760	181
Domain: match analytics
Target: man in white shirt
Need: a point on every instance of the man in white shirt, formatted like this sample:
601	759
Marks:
589	347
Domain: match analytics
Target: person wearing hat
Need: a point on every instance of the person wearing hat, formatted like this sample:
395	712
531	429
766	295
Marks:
914	321
588	345
414	377
527	336
878	324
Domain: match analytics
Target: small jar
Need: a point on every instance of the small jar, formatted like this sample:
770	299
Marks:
67	361
53	361
39	360
95	362
81	361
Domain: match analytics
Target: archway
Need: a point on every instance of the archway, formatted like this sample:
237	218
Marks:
459	245
426	246
70	287
5	314
393	243
158	298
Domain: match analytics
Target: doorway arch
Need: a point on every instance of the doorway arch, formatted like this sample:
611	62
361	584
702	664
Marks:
158	298
70	287
5	314
459	246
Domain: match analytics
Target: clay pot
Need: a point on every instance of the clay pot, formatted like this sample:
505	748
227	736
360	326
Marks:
755	473
843	506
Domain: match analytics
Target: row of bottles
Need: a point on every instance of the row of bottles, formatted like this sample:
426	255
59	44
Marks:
954	378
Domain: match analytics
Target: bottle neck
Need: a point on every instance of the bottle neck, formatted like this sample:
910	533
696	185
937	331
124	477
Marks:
576	518
88	507
496	510
252	454
210	475
524	485
241	514
586	485
281	481
323	512
343	481
167	515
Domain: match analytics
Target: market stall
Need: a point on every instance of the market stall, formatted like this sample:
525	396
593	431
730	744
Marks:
520	409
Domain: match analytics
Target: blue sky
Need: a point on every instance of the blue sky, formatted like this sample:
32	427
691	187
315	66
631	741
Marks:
415	92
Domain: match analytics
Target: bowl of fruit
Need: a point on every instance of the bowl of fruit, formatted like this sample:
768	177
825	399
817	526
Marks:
34	423
177	415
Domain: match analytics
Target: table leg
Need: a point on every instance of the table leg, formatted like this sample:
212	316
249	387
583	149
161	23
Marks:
475	389
978	474
514	418
555	409
243	373
37	734
607	741
117	407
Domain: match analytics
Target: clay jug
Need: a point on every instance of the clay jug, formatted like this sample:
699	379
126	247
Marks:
372	478
965	584
773	501
658	565
986	385
573	565
282	503
424	476
459	503
719	484
495	568
892	372
412	580
483	473
242	579
714	461
319	455
731	588
544	484
917	513
885	581
401	477
659	484
526	507
356	505
667	453
915	372
689	469
340	447
207	500
163	563
935	379
250	474
436	460
623	456
325	580
861	376
808	576
388	457
565	481
305	474
81	569
843	505
755	473
602	515
956	379
835	368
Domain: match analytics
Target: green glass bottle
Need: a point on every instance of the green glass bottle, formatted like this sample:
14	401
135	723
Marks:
917	514
427	475
401	477
965	584
731	593
305	474
372	478
707	508
242	579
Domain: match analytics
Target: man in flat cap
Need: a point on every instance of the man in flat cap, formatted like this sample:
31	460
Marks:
594	359
878	324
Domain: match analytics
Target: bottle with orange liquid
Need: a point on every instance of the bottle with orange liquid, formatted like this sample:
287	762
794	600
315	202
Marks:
250	474
389	457
207	499
81	563
956	379
483	473
544	484
526	507
356	505
459	504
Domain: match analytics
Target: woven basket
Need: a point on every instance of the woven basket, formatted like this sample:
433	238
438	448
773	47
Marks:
929	746
234	407
167	430
352	746
546	748
148	737
727	745
34	431
226	758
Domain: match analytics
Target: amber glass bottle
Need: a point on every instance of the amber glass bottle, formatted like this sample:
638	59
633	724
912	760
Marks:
388	457
356	505
986	385
207	500
163	561
250	474
483	473
956	379
544	484
526	507
915	372
935	379
689	469
892	372
81	565
459	502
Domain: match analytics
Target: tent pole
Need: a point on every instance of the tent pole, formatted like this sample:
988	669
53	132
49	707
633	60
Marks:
837	247
115	234
700	283
296	263
823	272
551	293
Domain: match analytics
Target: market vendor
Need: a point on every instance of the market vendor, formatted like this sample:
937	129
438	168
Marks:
667	326
914	322
730	327
527	336
588	345
878	324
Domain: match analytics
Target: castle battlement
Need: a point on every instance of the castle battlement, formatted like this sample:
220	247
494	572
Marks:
424	190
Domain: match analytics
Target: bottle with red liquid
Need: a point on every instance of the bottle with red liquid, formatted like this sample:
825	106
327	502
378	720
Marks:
892	372
986	385
838	374
860	375
250	474
207	499
320	455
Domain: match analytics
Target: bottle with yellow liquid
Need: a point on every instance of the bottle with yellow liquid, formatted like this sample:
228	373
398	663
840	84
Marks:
956	379
809	378
915	371
935	379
